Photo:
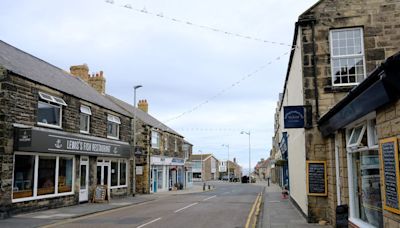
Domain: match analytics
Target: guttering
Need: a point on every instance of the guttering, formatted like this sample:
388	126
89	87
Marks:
381	87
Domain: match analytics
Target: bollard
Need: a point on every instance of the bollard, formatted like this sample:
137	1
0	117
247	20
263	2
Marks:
204	186
209	187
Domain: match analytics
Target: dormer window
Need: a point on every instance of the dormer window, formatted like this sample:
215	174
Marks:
113	123
50	110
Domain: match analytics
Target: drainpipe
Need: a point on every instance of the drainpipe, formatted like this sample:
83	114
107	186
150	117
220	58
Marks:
338	183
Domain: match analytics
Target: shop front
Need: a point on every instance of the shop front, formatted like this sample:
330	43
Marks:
166	174
50	164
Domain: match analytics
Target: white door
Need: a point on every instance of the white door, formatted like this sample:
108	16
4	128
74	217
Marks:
103	172
84	179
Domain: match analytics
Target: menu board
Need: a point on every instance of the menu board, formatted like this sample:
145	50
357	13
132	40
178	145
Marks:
390	173
100	193
316	178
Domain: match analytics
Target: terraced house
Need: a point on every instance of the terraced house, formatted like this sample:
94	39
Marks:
336	176
60	138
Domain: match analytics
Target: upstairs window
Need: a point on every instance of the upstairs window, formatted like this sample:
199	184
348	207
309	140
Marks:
113	123
155	139
50	110
85	119
166	143
176	145
347	56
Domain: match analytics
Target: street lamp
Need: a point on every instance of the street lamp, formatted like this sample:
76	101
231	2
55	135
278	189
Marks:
248	133
229	177
134	139
201	162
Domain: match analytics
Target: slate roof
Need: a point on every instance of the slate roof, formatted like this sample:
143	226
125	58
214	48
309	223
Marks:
198	157
145	117
35	69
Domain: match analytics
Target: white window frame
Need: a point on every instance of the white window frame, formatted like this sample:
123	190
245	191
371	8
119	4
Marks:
115	120
50	125
335	57
352	135
87	112
119	161
36	174
353	201
176	145
155	139
52	99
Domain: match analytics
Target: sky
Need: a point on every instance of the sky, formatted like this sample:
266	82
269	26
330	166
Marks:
198	76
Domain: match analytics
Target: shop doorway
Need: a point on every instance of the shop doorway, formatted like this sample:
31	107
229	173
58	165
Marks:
103	172
84	179
153	182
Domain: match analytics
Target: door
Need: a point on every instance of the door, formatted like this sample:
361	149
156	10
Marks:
103	172
155	178
84	179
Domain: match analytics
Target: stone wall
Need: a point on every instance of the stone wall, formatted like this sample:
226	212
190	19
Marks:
18	104
388	125
381	28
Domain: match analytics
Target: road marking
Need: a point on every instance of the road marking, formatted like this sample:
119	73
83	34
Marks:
155	220
209	198
249	218
183	208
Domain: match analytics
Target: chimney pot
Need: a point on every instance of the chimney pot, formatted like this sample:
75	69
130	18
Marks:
143	105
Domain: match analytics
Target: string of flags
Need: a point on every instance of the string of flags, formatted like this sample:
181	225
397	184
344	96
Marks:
189	23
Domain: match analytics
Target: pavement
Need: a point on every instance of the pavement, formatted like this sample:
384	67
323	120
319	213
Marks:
46	217
280	213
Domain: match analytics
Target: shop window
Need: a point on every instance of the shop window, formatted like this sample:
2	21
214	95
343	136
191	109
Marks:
122	178
46	175
364	176
50	110
114	173
51	171
23	176
118	173
65	175
113	123
85	119
155	139
347	56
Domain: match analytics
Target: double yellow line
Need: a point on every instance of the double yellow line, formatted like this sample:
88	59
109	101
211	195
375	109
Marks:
254	212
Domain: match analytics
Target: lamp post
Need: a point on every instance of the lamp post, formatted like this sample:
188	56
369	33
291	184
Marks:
134	139
248	133
227	164
201	162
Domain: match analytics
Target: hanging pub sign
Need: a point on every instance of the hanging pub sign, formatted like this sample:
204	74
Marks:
390	166
317	178
297	116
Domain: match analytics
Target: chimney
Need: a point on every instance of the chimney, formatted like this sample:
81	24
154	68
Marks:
81	71
97	81
143	105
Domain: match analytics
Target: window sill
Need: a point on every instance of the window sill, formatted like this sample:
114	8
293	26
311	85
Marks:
84	132
42	197
49	125
118	186
360	223
112	137
339	89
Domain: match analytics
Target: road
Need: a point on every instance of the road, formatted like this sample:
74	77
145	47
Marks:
227	206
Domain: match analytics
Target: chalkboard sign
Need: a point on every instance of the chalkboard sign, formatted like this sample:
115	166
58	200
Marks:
100	193
390	169
316	178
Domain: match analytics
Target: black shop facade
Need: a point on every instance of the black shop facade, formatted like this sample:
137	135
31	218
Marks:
53	168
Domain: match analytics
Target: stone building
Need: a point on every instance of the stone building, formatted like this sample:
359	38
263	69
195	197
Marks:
335	44
367	147
205	167
60	138
235	170
159	153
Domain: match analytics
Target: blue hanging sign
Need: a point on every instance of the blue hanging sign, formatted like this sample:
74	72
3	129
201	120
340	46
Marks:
293	116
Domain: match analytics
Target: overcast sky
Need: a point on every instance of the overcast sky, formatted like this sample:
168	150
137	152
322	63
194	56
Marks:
179	65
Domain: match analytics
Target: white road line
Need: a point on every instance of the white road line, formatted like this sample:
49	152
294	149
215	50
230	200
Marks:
155	220
209	198
183	208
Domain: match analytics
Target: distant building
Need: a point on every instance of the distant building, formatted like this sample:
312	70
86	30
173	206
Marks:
204	167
